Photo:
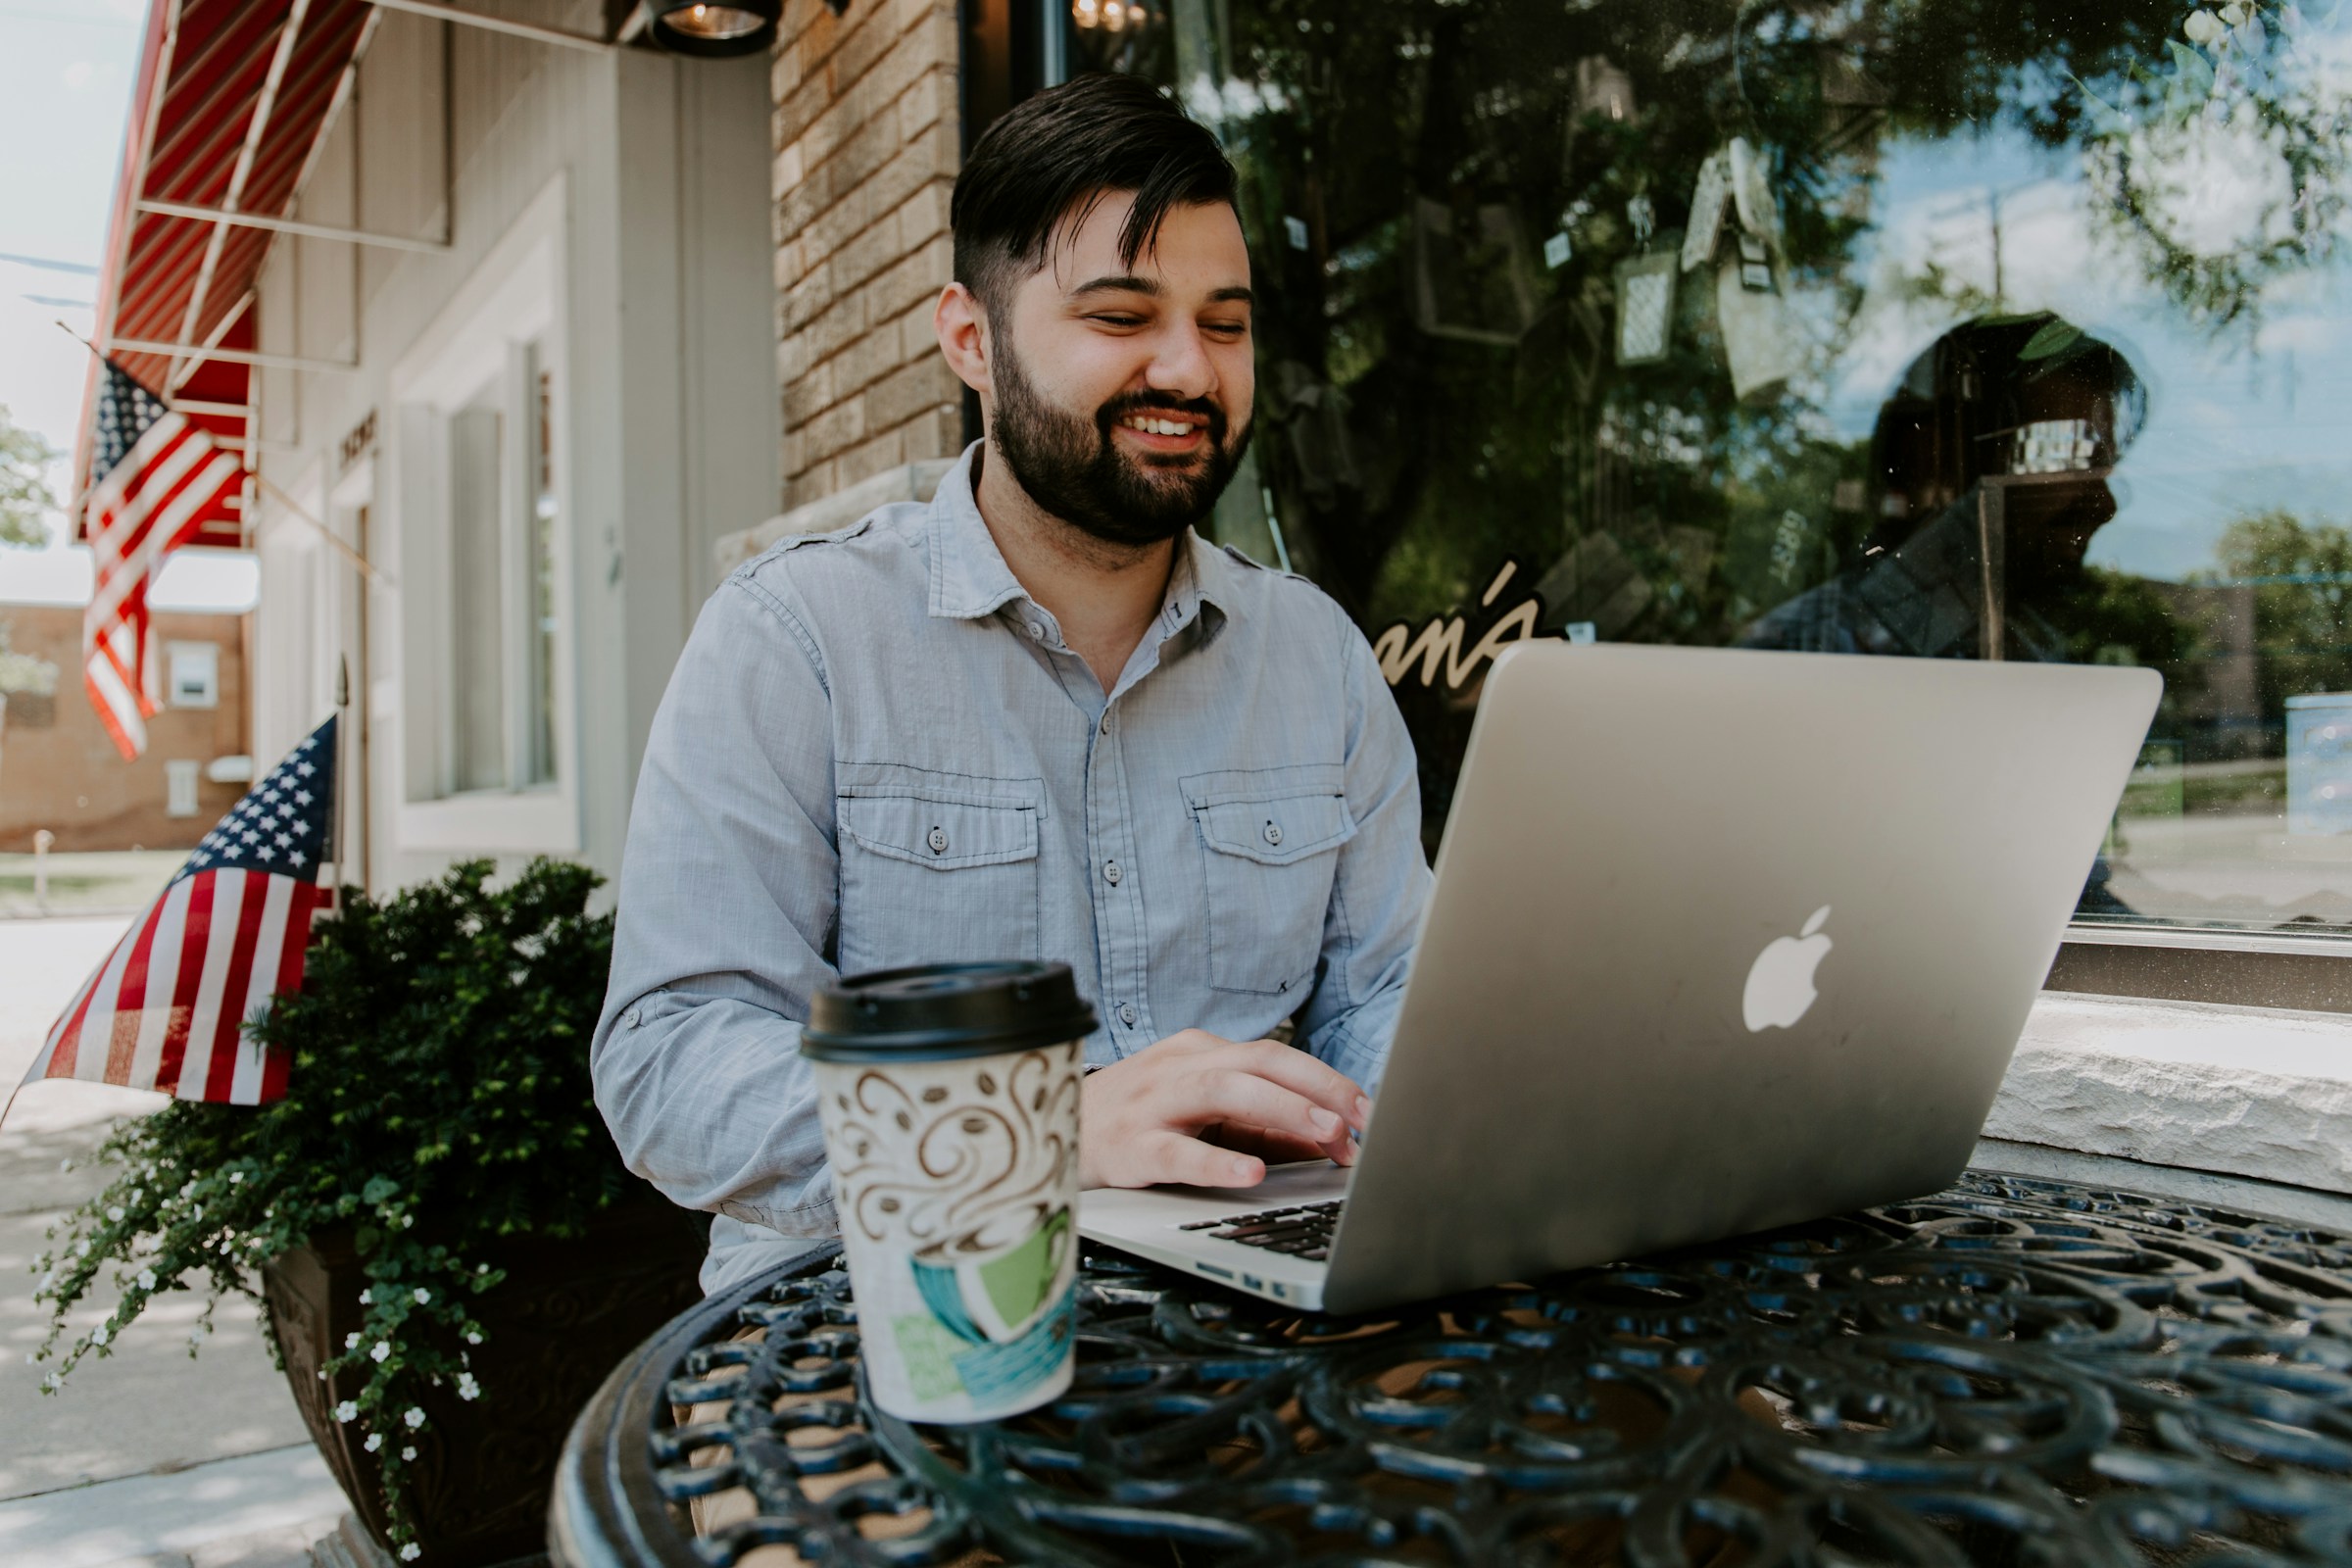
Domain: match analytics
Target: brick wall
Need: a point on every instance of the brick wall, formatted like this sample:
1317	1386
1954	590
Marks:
62	773
867	144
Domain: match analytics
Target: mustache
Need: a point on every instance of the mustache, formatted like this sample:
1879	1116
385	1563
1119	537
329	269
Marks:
1130	403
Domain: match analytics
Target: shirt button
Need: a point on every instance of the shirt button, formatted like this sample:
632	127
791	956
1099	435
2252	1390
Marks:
1127	1013
1037	629
1107	722
1111	873
938	841
1274	833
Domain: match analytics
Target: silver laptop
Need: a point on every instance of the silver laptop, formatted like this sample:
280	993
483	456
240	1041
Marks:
1720	941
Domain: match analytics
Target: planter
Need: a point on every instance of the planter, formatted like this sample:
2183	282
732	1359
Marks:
565	1314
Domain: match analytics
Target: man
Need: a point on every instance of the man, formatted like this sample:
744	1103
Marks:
1036	717
2005	428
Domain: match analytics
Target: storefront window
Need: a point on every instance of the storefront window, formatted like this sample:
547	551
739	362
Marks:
1954	331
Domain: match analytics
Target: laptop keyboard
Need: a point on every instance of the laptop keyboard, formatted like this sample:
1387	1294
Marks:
1302	1232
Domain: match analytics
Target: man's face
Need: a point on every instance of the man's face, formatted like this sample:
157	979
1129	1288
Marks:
1120	395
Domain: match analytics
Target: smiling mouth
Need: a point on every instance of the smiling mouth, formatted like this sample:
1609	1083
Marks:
1155	425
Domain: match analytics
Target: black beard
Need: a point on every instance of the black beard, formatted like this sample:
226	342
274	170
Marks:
1073	470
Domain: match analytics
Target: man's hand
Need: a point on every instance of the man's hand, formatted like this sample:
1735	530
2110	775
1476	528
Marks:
1212	1112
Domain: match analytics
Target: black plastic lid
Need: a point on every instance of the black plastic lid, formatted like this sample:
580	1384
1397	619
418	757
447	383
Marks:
944	1012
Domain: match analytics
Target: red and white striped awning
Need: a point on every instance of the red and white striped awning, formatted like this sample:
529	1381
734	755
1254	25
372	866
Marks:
231	101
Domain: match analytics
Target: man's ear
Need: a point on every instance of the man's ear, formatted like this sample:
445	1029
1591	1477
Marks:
962	322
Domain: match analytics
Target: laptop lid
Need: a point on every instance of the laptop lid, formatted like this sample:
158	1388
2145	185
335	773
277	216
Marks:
1629	1025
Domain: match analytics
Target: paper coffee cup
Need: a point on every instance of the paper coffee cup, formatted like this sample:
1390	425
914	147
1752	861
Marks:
950	1101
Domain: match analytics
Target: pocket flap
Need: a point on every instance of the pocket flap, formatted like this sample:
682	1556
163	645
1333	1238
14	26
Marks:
1276	830
945	835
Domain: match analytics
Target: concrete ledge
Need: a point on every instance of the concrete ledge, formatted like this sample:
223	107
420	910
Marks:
910	481
2239	1091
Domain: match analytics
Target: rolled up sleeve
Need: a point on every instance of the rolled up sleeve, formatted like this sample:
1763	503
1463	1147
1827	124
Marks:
1382	883
727	905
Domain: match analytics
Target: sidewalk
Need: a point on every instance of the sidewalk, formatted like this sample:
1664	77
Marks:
145	1458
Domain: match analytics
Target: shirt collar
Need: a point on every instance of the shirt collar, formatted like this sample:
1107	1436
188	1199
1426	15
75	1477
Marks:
969	578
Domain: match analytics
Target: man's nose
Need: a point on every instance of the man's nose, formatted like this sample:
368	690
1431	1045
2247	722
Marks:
1180	364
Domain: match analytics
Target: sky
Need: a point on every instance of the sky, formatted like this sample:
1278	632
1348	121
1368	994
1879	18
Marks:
2238	420
66	69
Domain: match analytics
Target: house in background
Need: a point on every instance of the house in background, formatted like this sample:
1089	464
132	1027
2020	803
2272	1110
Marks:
60	771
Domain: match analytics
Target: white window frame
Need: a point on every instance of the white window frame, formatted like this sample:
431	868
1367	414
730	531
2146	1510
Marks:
210	655
515	299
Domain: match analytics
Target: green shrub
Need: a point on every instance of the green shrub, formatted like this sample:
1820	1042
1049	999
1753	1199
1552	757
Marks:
438	1100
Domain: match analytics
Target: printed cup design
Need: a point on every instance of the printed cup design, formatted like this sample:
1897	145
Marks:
958	1184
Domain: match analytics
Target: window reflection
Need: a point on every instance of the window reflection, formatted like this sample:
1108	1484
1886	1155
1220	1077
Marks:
1948	330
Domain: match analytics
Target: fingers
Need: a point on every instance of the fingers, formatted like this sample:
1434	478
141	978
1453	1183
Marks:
1303	1075
1229	1094
1279	1148
1174	1157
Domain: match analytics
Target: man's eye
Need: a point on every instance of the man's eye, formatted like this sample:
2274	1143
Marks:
1225	328
1110	320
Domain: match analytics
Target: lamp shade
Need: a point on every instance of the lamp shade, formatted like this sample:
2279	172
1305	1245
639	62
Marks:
712	30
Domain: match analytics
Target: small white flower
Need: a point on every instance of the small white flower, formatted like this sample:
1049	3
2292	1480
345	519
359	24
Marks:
351	1340
422	1294
473	1339
146	1279
467	1387
409	1453
411	1552
2202	27
407	1220
375	1440
482	1268
367	1296
348	1411
98	1335
115	1212
197	1212
64	1166
202	1332
236	1176
322	1370
81	1249
383	1348
52	1383
414	1416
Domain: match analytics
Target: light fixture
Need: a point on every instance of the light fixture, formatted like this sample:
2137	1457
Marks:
1112	16
692	28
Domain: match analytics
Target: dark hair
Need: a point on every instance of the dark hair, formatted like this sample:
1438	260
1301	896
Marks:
1054	155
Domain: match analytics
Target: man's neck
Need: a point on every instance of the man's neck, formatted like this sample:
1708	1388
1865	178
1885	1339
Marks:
1103	594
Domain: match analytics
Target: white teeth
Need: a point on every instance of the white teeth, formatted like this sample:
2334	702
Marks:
1159	426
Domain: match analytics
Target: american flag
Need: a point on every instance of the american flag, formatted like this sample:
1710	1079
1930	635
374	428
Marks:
159	479
167	1008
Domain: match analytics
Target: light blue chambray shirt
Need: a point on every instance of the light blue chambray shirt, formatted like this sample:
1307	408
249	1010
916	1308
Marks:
877	750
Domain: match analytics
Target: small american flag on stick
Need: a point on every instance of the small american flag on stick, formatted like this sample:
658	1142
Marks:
167	1008
157	480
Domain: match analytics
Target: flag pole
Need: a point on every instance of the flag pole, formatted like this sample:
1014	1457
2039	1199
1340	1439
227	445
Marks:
342	755
357	561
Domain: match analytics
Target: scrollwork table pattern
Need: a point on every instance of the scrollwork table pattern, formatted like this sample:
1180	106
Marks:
2012	1371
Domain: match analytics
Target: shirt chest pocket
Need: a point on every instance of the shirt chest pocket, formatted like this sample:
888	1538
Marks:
1269	850
937	875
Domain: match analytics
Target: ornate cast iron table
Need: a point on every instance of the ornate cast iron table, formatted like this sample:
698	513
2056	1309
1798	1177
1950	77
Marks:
2014	1371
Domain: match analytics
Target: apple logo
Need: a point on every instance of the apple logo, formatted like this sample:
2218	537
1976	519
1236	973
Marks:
1779	986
